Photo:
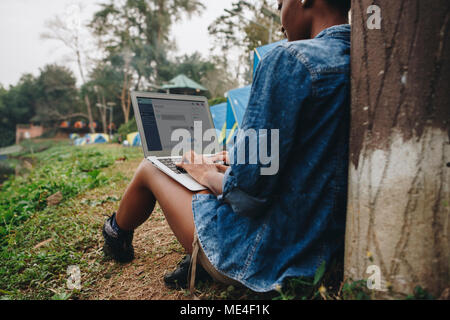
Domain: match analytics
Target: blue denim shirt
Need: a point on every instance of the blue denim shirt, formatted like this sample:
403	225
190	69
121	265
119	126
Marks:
265	228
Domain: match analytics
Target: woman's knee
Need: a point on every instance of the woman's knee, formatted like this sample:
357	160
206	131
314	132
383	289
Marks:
145	170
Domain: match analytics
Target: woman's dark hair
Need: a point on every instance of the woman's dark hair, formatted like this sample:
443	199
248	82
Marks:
342	5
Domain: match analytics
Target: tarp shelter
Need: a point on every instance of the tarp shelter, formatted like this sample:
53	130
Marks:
64	124
183	85
79	125
237	101
260	52
134	139
219	115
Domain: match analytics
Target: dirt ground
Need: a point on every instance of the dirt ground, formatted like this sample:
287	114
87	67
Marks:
156	249
157	252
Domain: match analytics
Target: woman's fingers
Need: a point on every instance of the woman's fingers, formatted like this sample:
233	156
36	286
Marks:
221	156
222	168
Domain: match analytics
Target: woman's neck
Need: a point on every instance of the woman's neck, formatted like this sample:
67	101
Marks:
326	21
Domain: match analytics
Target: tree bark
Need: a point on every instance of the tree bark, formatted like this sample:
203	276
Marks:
89	110
398	204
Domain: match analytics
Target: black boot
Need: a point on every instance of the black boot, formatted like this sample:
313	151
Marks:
178	279
118	245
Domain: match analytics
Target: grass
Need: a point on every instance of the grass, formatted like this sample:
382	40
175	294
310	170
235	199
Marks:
63	168
39	242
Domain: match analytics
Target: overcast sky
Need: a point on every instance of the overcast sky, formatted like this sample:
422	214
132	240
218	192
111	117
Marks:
23	21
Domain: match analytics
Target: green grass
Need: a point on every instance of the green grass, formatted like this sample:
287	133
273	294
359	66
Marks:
38	242
27	272
66	169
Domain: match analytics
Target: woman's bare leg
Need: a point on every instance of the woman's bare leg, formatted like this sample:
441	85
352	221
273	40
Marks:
148	185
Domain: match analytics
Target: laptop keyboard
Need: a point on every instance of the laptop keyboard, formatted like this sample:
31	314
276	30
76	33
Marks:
170	163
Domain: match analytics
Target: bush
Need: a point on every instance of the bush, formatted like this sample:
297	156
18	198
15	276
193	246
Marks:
214	101
127	128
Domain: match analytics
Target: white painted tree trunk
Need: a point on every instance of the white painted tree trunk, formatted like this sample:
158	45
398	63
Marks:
399	195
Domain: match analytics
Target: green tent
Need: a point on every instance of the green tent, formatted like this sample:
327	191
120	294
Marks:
183	85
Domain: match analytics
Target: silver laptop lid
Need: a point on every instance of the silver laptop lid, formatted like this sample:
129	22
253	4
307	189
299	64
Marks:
158	115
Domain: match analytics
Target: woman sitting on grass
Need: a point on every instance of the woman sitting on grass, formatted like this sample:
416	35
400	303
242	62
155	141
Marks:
252	229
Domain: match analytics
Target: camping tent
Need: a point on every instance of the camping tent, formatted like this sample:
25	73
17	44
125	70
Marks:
64	124
219	115
79	125
236	105
74	136
134	139
96	138
260	52
238	98
80	141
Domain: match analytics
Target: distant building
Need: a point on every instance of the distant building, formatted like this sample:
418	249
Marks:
28	131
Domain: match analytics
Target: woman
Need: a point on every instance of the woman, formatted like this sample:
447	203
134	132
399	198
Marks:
252	229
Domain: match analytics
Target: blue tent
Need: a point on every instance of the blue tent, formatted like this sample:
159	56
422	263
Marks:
260	52
219	115
238	98
134	139
101	138
80	142
94	138
236	106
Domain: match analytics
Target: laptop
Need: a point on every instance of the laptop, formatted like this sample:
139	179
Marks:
158	115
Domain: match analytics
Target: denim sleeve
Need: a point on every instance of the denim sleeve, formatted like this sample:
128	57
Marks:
281	88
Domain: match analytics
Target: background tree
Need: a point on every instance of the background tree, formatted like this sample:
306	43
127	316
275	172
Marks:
104	88
248	25
69	31
57	95
212	73
220	79
17	106
135	38
398	207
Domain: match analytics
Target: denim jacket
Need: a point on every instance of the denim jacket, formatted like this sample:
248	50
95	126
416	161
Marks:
266	228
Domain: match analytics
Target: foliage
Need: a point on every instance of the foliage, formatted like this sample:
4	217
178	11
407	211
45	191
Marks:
35	254
141	29
127	128
420	294
104	88
245	27
214	101
66	169
57	94
17	106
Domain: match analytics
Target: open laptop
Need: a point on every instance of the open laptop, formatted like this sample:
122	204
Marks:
157	117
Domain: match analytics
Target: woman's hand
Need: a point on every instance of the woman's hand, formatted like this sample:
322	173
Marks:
198	167
221	156
222	161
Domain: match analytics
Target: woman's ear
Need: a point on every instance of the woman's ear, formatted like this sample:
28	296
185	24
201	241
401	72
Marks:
307	3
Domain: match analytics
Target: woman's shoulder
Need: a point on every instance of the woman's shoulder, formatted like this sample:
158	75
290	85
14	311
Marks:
318	55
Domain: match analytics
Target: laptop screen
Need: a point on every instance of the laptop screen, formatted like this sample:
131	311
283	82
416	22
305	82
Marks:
160	117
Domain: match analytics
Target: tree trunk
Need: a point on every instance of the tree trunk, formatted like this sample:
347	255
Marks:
398	205
124	98
89	110
103	113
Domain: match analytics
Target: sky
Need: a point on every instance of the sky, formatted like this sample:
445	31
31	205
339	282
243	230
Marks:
23	21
